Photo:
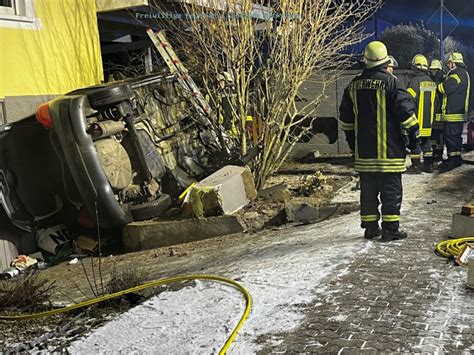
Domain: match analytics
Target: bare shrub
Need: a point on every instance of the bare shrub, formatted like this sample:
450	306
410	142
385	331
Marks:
24	292
269	49
123	280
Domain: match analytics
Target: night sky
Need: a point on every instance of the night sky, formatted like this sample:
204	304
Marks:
405	11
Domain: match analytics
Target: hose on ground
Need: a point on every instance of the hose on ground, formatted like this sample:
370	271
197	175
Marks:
230	339
451	248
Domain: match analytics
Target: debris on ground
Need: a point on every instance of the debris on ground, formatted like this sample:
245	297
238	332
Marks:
53	238
225	192
24	262
466	253
55	243
301	213
86	243
275	193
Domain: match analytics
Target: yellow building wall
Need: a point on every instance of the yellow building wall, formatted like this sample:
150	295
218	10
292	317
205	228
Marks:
62	55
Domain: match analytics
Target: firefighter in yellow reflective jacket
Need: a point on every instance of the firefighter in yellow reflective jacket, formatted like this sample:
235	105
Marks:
423	90
378	117
437	138
455	91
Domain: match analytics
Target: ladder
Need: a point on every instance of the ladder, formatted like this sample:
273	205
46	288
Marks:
176	67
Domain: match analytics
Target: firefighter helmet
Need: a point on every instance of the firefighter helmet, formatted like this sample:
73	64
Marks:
455	57
419	61
393	62
436	65
375	54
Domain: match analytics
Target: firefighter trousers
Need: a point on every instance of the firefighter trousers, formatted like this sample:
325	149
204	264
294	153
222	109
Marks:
423	147
387	187
437	142
453	138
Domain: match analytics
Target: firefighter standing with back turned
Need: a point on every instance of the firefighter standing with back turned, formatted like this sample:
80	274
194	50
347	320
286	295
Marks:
455	91
437	139
378	117
423	90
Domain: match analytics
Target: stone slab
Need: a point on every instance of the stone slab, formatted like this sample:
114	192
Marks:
154	234
462	226
234	185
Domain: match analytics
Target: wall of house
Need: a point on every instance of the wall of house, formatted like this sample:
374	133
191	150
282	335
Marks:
53	51
52	48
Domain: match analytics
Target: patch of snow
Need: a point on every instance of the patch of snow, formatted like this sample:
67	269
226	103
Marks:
286	272
338	318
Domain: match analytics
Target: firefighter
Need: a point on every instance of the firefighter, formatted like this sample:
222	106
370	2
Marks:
392	65
437	140
423	90
378	117
225	104
436	71
455	91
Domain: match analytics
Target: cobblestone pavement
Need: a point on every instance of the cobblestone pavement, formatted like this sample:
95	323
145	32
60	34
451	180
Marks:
318	288
399	297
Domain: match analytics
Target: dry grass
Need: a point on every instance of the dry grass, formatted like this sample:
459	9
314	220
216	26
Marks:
25	292
124	280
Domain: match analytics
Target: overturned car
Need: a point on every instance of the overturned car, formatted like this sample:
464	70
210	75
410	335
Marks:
114	153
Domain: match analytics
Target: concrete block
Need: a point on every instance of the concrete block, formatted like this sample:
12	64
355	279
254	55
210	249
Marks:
467	210
301	213
230	188
470	273
154	234
463	226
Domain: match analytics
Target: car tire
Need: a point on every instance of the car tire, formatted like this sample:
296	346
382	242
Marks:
151	209
109	95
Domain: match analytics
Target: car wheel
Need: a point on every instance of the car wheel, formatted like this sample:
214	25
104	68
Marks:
109	95
151	209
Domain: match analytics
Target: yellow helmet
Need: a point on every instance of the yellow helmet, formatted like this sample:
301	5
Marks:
375	54
455	57
393	62
419	61
436	64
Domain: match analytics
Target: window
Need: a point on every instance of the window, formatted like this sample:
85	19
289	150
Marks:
18	14
7	7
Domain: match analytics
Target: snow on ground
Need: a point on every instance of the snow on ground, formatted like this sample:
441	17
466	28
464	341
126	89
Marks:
280	274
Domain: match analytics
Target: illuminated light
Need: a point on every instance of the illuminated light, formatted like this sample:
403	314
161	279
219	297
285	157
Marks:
44	116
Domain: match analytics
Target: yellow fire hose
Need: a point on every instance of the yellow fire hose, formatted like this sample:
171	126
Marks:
242	289
451	248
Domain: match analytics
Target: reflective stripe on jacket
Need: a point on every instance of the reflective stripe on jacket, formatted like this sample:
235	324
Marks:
455	91
374	111
423	90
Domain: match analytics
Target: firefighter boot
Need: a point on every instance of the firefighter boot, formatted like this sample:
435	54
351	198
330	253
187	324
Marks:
392	234
450	164
428	165
415	167
372	232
